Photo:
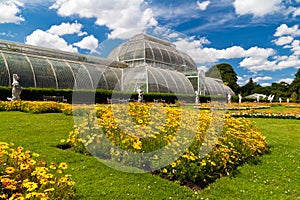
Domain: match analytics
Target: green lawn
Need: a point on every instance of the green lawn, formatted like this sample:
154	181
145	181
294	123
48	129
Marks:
277	176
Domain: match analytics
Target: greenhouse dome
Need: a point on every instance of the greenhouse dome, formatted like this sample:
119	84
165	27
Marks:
214	86
155	52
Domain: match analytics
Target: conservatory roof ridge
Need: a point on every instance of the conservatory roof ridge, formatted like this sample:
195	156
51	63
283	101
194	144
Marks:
144	36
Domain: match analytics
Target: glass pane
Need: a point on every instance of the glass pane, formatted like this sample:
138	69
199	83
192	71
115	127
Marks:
63	73
19	65
82	77
4	80
43	73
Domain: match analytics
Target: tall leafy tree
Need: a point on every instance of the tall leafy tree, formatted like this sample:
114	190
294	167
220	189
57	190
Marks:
225	72
248	88
295	85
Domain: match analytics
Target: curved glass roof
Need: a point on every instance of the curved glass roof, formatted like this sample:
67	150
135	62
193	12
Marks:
143	48
151	79
48	72
216	87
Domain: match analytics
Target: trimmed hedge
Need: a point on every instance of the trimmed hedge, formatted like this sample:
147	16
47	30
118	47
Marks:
100	95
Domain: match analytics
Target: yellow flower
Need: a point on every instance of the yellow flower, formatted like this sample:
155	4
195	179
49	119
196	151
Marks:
31	162
52	166
71	183
17	196
165	170
137	145
3	196
43	181
24	167
10	170
48	176
35	155
213	163
63	165
173	164
49	190
203	163
30	186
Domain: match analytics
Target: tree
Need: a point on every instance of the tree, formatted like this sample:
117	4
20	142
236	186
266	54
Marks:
295	85
250	88
298	73
225	72
294	97
280	89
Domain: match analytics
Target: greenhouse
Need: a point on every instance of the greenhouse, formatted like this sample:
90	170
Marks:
155	52
44	68
144	61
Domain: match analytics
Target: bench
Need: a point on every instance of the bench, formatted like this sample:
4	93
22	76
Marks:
115	101
159	101
55	98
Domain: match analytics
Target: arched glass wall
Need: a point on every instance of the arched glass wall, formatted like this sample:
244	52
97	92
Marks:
45	72
216	87
151	79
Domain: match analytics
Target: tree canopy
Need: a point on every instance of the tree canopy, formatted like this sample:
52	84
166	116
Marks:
295	85
225	72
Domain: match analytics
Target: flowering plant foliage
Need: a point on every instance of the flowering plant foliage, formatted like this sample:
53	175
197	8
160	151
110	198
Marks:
144	131
22	176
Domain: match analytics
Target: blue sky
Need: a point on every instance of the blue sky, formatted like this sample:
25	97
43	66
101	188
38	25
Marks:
259	38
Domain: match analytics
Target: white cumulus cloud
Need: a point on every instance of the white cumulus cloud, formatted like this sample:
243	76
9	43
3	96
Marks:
283	40
287	80
296	12
48	40
9	12
264	78
265	84
258	8
254	58
89	42
66	28
52	38
283	29
290	61
119	16
202	5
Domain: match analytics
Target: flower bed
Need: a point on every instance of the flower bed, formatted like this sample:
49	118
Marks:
239	142
36	107
22	176
292	113
141	129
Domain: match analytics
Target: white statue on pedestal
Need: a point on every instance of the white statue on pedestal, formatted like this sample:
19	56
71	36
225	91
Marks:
16	88
229	98
240	98
196	97
140	95
271	97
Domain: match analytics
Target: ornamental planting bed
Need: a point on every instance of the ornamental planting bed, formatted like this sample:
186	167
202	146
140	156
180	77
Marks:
238	143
